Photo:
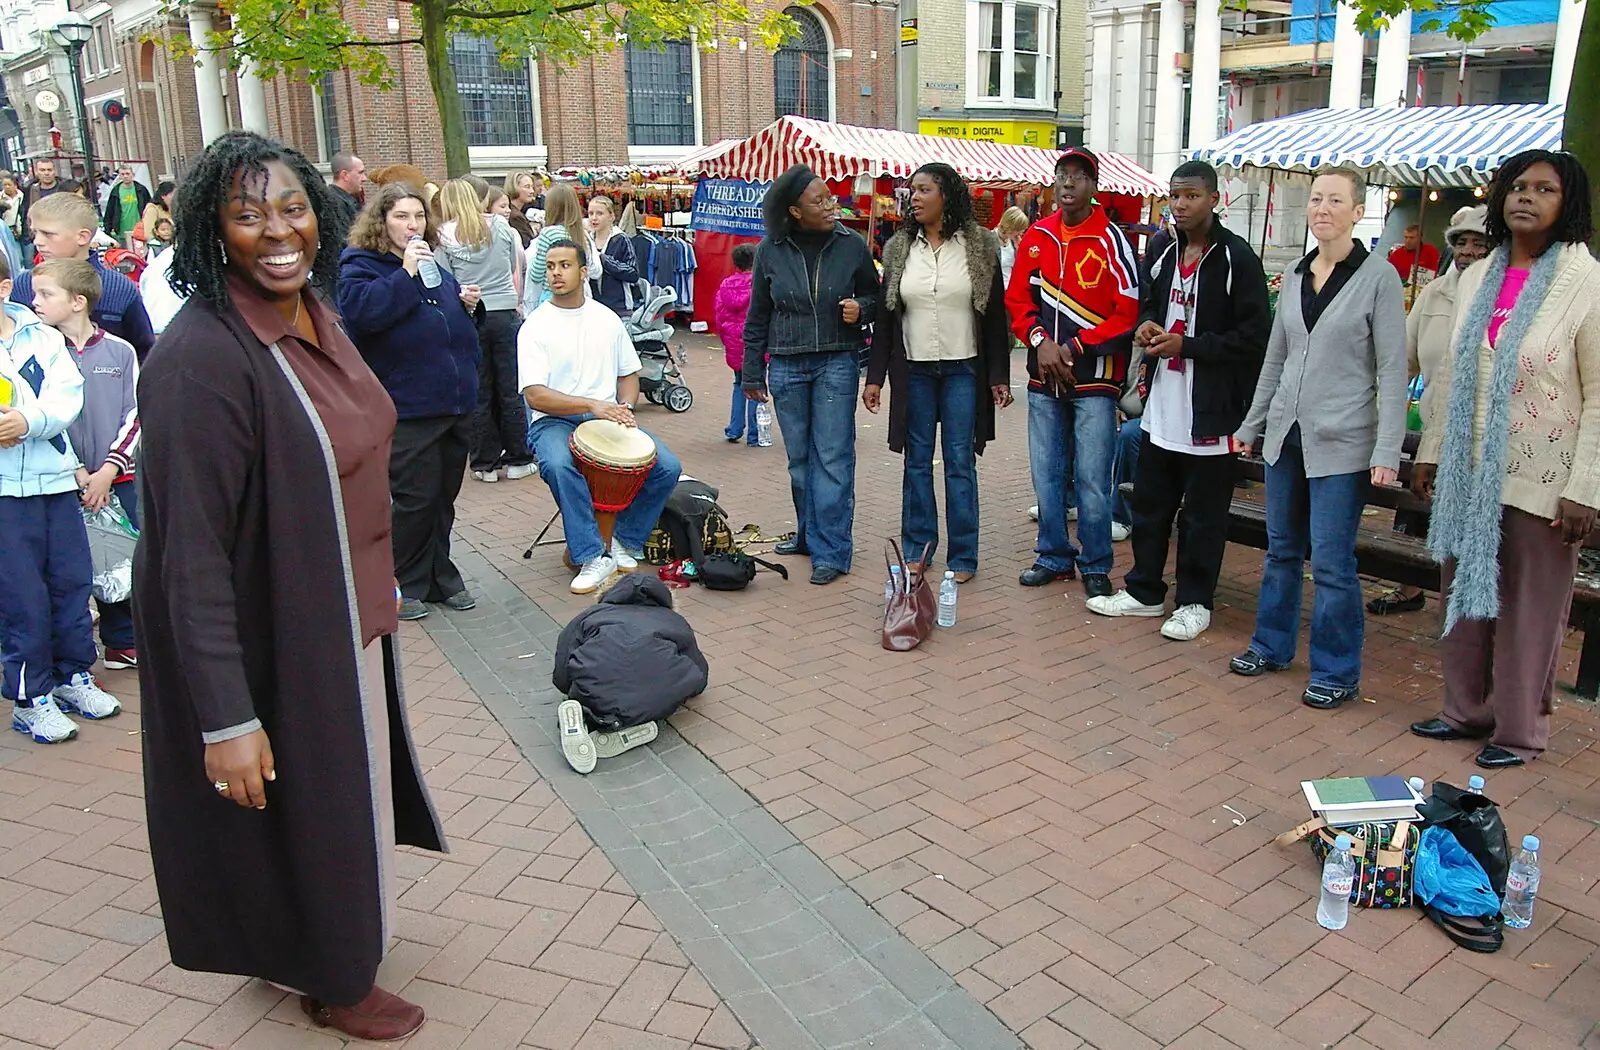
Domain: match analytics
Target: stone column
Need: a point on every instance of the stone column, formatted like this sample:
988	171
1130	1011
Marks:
1568	26
1344	88
207	85
1167	141
1394	63
252	99
1205	73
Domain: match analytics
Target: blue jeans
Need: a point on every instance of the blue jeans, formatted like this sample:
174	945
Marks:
1127	468
45	633
1077	435
815	395
942	394
116	618
1319	514
742	415
550	435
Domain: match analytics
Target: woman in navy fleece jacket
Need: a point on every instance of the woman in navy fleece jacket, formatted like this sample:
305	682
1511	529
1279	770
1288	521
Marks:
422	344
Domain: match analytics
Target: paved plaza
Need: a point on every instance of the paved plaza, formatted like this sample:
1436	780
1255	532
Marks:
1041	829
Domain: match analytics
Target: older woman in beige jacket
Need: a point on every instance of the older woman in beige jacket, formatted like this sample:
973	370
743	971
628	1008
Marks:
1428	329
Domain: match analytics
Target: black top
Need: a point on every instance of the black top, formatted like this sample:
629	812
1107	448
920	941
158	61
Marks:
1313	302
810	243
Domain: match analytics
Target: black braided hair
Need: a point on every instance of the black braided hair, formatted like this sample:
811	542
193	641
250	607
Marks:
957	198
1574	224
198	264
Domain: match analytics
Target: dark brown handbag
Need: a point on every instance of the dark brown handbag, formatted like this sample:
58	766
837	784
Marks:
909	616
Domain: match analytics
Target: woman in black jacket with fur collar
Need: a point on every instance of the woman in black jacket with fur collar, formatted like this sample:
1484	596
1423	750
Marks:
942	342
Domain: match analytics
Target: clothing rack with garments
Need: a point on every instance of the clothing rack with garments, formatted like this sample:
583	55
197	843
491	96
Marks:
666	258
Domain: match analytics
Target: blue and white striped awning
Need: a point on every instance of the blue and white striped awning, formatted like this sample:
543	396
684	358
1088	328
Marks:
1439	145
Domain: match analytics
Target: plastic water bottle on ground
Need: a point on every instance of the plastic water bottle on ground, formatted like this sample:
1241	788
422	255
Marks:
1338	875
1417	785
763	424
1522	885
1475	784
891	586
427	269
947	600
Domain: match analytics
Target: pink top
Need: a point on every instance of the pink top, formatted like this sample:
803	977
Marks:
1510	289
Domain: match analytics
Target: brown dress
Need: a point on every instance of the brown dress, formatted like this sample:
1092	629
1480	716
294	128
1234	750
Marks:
265	598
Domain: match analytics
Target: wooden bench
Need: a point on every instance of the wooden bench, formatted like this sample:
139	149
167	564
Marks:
1403	559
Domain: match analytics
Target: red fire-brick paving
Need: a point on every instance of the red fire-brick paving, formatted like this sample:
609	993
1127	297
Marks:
1074	816
524	935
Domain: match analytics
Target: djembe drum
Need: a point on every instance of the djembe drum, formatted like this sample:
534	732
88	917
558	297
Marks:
615	460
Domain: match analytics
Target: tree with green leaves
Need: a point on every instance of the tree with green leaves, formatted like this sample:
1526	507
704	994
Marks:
1466	20
310	38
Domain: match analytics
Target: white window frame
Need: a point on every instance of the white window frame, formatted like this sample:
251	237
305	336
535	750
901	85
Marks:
1044	77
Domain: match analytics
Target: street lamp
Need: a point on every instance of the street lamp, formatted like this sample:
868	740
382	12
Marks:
70	34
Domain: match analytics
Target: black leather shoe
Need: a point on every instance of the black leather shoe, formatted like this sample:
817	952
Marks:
1037	575
1328	697
1439	729
1251	663
824	575
1493	757
1388	604
1097	585
789	548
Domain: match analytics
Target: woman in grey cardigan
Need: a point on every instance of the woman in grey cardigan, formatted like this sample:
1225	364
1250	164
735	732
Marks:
1332	398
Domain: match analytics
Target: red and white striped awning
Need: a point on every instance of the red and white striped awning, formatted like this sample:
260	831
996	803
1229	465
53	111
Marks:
838	151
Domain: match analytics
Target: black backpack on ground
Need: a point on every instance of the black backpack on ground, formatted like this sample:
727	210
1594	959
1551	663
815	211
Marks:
691	511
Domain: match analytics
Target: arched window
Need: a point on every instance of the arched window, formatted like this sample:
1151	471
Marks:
801	69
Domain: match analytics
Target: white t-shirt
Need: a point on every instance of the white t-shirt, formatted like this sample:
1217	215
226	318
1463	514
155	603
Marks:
1169	406
580	353
160	301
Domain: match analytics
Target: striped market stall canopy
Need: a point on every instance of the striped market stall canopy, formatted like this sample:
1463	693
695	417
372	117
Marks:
838	151
1432	145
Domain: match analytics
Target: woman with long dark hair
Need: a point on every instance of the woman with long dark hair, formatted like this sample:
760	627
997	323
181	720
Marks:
942	342
812	289
1510	455
279	767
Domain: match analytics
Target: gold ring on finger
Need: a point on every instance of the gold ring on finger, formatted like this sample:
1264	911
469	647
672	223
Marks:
221	786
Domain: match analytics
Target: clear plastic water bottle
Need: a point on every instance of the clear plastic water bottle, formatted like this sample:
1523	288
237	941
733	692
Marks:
427	269
1475	784
947	600
1417	785
763	424
1522	885
1338	876
891	585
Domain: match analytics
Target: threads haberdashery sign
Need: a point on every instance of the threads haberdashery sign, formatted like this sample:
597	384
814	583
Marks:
729	206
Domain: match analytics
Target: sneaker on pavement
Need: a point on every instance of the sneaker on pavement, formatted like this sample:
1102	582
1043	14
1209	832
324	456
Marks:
461	601
627	561
610	745
412	609
488	476
1120	532
121	660
43	721
1123	604
593	574
522	470
1186	623
576	743
1033	512
83	696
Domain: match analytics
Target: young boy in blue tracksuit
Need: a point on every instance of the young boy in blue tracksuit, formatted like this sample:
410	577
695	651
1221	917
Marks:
46	637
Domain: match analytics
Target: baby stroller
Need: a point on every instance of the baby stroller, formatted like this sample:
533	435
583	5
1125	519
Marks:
660	380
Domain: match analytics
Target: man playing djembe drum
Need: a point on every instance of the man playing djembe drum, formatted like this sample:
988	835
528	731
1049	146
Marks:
575	362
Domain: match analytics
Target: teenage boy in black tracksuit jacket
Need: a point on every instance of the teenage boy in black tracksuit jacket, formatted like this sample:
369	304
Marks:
1203	322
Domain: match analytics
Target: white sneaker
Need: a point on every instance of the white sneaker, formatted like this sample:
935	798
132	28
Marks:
1186	623
576	744
626	560
1033	512
43	721
1123	604
610	745
523	470
83	696
1120	532
487	476
593	574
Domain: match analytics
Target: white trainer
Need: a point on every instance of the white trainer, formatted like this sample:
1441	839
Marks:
627	561
1033	512
1120	532
83	696
576	743
522	470
1186	623
488	476
43	722
1123	604
593	574
610	745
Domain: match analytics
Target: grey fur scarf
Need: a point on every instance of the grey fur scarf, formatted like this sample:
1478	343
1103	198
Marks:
983	259
1466	502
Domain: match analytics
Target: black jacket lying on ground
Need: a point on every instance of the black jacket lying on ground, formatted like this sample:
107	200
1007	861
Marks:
630	659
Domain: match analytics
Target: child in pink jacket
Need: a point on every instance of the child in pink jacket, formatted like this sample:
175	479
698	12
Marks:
729	309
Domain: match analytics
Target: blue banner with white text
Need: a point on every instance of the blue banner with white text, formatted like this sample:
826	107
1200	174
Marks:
729	206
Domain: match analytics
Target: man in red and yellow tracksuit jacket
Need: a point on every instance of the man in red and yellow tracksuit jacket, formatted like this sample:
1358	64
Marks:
1074	300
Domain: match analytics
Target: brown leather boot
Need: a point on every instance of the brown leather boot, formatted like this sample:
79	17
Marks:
380	1017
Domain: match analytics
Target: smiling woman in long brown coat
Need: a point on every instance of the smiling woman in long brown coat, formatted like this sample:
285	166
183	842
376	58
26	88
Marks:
279	770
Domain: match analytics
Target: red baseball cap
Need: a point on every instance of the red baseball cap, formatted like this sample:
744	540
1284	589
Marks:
1078	153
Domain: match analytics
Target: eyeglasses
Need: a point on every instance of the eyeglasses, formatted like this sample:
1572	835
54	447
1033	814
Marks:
1070	176
826	203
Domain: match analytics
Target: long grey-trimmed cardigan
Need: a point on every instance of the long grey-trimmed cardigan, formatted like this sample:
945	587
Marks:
1344	382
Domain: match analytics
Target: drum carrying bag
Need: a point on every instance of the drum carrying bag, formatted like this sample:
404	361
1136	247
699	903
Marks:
692	508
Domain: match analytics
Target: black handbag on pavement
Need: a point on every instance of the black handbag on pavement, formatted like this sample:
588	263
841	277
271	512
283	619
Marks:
1475	822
